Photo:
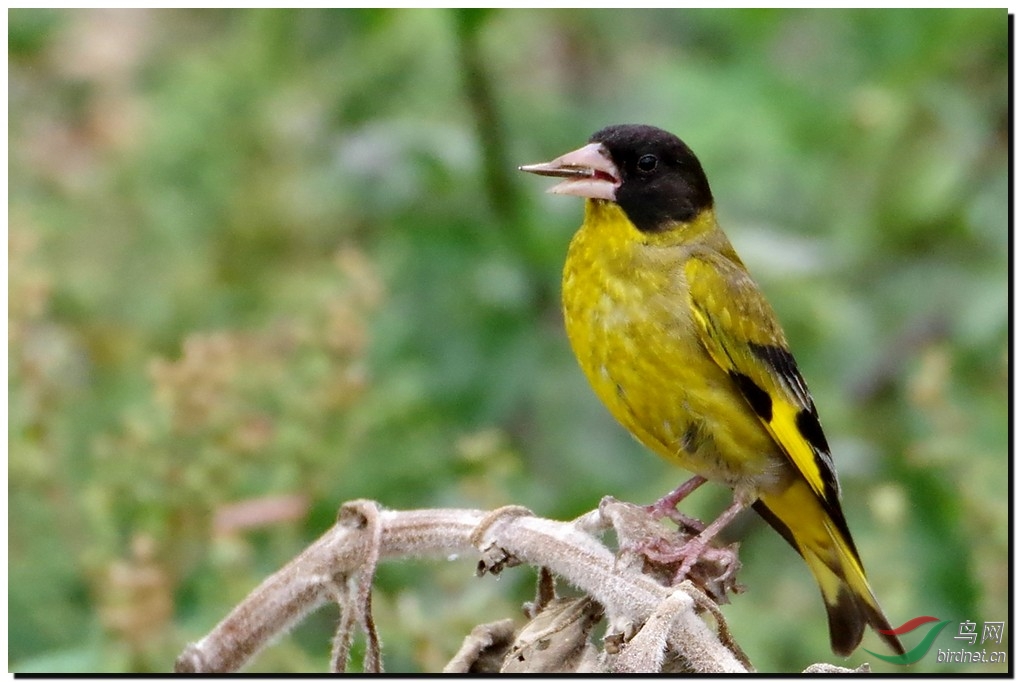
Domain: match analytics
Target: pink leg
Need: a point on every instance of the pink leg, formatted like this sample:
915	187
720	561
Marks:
690	552
666	506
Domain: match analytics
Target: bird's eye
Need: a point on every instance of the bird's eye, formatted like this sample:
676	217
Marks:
646	163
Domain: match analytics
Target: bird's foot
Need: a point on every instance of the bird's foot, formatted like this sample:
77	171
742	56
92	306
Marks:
711	568
686	524
670	554
692	556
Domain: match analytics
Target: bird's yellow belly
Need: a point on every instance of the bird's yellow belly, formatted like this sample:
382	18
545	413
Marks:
637	344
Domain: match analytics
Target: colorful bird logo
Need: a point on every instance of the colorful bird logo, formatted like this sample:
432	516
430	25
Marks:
914	655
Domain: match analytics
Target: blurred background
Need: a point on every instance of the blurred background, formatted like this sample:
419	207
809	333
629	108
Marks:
264	262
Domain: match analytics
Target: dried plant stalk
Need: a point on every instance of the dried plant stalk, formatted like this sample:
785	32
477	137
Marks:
652	627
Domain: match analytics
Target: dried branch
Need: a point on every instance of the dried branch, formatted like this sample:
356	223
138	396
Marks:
319	574
652	625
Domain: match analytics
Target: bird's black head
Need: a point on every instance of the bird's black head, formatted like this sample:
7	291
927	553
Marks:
661	180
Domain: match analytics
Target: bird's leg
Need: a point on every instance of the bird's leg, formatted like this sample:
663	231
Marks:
690	552
667	505
672	557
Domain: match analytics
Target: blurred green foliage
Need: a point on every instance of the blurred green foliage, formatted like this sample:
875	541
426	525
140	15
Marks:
264	256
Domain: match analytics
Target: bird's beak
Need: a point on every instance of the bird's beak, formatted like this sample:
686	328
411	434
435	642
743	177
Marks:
588	172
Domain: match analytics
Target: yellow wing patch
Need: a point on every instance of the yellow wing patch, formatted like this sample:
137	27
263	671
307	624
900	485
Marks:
785	431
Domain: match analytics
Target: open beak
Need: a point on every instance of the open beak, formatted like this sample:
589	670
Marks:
588	172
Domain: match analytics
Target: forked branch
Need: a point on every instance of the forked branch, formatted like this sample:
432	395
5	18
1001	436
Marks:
652	626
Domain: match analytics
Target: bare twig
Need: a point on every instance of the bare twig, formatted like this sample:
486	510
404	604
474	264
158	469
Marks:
652	626
343	640
484	649
356	603
312	578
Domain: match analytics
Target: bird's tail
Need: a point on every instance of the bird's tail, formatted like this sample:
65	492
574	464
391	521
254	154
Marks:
821	536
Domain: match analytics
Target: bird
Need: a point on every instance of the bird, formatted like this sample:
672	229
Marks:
680	344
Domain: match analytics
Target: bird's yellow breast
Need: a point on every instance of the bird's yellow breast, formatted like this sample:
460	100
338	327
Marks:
628	318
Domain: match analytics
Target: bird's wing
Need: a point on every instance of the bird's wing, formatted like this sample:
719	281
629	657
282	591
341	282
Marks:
741	333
